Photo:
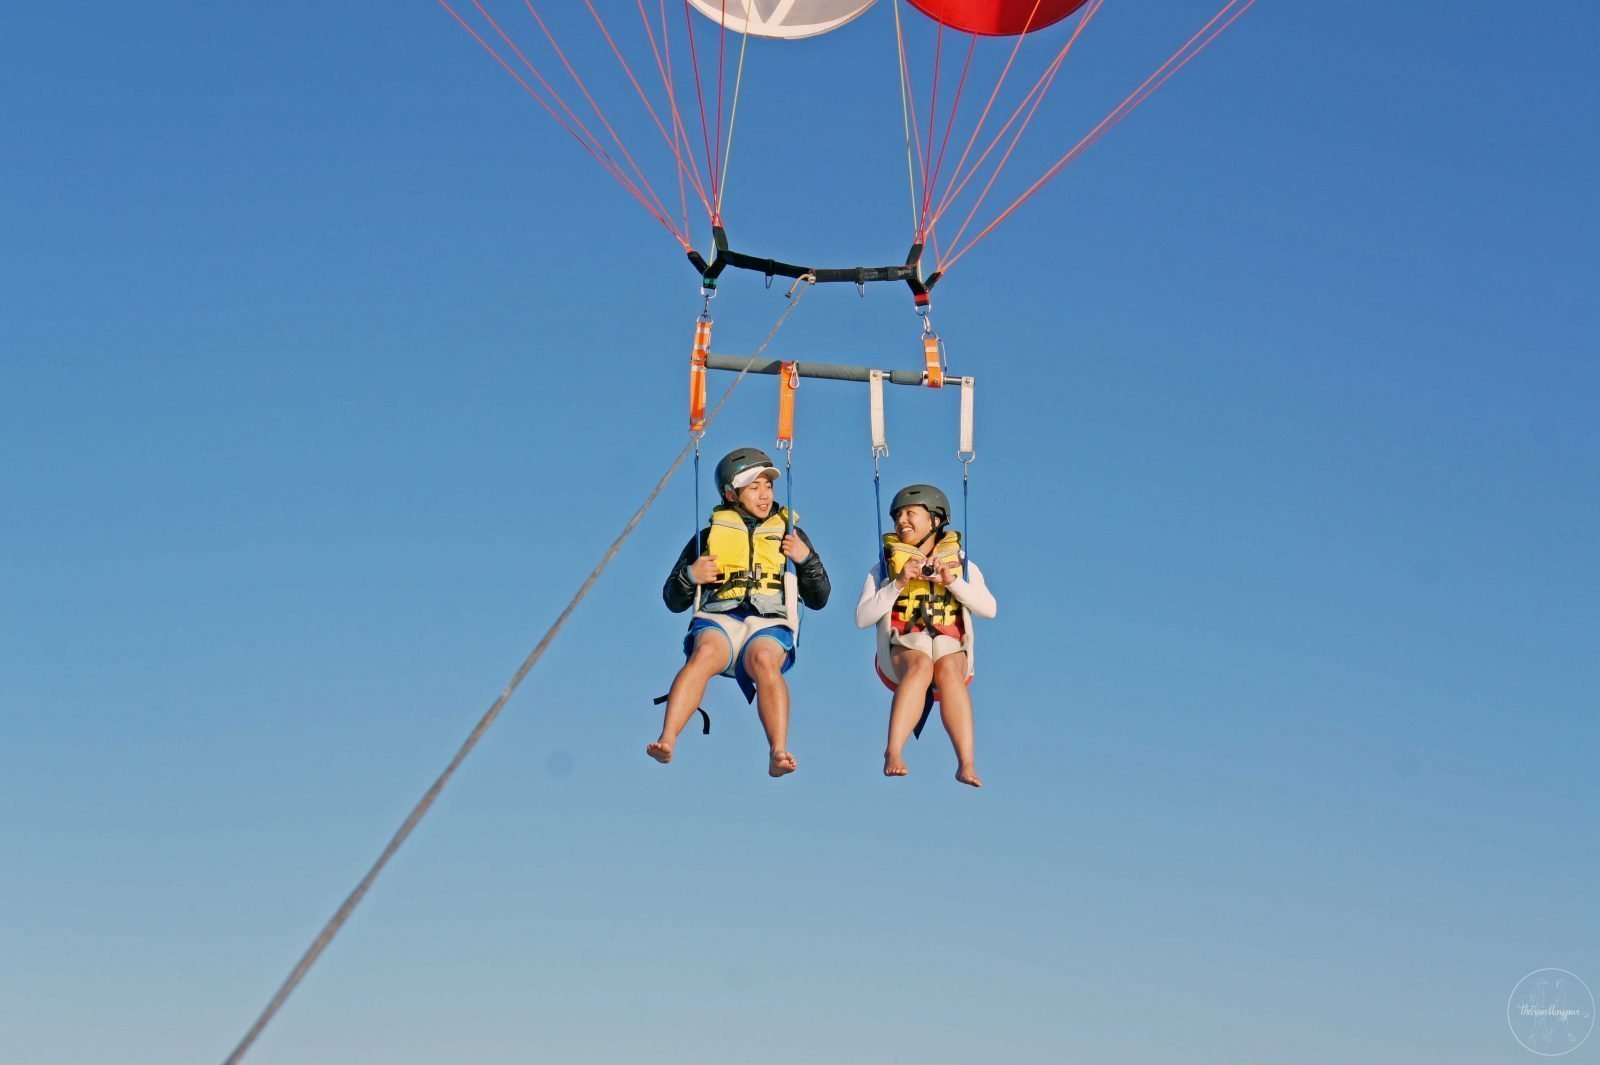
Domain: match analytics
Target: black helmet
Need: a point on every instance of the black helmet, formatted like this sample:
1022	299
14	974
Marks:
736	462
922	495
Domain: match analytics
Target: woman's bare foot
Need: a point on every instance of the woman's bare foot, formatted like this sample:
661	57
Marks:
968	775
894	765
780	763
660	750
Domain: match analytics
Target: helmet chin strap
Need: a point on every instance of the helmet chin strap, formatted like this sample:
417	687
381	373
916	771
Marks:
736	504
933	532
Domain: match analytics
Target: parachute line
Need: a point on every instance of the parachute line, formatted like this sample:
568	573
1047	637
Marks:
672	141
571	124
1227	16
950	124
682	150
983	117
722	81
700	96
578	81
423	805
905	115
727	153
1037	94
910	98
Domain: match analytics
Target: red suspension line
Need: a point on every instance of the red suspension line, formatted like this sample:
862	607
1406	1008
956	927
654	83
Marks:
911	98
1178	61
584	139
700	96
722	79
933	108
988	105
644	98
599	113
639	189
680	134
950	125
1037	94
680	138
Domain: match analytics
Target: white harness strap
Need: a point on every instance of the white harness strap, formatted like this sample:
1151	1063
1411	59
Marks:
966	453
880	438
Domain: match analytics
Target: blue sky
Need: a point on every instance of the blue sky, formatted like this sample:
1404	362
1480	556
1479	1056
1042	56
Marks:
330	367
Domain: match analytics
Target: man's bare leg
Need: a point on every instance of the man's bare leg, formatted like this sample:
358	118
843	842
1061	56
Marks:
955	710
763	660
915	670
709	657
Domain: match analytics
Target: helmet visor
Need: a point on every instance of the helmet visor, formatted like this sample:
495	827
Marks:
744	478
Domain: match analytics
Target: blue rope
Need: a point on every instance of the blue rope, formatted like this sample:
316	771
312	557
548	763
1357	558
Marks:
966	523
788	524
788	502
695	536
877	506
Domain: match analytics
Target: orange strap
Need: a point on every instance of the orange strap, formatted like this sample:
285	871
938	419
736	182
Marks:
934	354
788	381
697	375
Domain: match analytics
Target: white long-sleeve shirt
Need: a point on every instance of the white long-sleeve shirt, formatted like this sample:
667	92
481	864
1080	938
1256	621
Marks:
879	593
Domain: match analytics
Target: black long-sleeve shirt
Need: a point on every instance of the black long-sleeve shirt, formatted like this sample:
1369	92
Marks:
679	591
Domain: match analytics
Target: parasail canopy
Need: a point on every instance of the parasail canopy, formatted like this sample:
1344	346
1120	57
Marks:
784	19
693	111
996	18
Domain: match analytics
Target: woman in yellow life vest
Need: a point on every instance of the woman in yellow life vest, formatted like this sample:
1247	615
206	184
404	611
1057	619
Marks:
733	574
923	606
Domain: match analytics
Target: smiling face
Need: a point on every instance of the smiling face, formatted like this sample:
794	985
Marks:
913	523
755	497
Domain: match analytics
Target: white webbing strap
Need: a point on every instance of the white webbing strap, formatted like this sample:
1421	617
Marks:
966	453
880	438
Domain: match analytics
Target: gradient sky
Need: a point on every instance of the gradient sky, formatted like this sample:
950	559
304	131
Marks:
330	365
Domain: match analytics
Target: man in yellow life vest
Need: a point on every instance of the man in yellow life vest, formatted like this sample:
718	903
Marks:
922	603
733	573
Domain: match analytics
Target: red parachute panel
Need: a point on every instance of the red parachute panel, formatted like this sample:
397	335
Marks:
997	18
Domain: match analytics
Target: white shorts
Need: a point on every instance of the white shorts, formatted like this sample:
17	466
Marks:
739	632
934	645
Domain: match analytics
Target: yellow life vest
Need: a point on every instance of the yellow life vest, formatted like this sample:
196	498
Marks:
923	604
749	562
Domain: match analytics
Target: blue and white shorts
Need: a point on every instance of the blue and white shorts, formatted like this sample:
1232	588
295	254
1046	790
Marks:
741	631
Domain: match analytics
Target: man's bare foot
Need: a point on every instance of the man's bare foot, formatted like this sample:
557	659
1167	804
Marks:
968	775
894	765
780	763
660	750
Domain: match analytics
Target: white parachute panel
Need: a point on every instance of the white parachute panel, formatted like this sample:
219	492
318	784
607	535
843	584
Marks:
784	19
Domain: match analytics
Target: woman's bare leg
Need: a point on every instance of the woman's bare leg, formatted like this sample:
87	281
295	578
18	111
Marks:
955	710
915	670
